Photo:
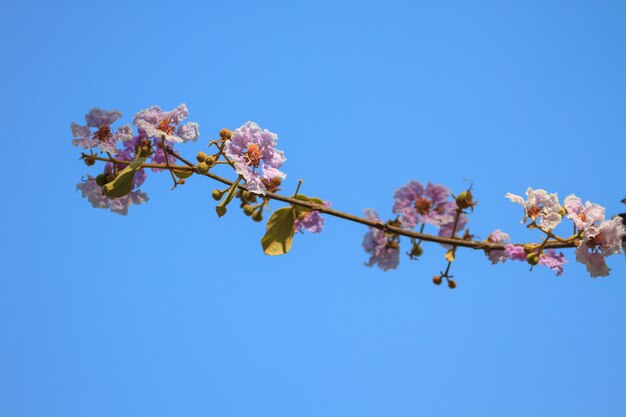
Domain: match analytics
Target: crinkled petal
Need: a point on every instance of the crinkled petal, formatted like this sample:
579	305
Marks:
98	117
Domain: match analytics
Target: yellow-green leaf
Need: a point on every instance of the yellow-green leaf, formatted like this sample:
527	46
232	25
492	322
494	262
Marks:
182	173
450	255
279	234
123	182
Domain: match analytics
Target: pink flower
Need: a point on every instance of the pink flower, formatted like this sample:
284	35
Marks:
384	251
553	260
598	243
93	193
103	138
583	216
497	236
540	206
158	124
255	156
416	205
311	221
514	252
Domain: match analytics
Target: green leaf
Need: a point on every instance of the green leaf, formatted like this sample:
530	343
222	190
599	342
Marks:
302	210
182	173
123	183
279	234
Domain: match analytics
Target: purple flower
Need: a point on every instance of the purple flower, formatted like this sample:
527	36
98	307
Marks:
540	206
514	252
158	124
598	243
583	216
311	221
416	205
103	138
384	251
553	260
93	193
254	154
497	236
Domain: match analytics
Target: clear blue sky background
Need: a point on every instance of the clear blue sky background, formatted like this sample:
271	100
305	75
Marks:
172	312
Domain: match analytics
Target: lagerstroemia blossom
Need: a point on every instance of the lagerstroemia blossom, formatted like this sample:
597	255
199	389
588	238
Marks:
158	124
418	205
311	221
254	154
540	206
383	251
497	236
251	152
598	243
103	138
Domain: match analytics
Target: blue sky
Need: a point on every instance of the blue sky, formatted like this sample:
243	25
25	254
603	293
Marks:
171	311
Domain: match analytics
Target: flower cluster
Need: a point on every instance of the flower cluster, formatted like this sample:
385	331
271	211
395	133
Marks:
153	127
255	157
600	237
596	238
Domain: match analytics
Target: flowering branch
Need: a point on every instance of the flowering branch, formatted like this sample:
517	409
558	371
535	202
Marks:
251	153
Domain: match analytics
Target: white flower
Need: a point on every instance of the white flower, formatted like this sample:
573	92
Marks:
539	206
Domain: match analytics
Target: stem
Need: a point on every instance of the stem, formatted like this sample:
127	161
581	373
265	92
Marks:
472	244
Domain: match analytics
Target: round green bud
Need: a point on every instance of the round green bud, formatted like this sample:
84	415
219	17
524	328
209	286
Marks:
202	168
101	179
201	156
89	161
437	280
248	210
217	195
248	196
529	248
451	284
257	216
416	250
532	258
209	160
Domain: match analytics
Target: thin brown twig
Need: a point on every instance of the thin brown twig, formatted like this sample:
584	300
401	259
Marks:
472	244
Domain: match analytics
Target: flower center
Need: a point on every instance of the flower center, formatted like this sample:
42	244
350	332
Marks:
595	241
165	125
103	133
253	155
423	205
534	211
582	217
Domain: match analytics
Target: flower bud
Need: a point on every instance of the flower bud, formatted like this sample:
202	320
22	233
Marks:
416	251
532	258
248	210
451	284
257	216
202	168
201	156
529	248
89	161
277	181
465	200
437	280
248	196
209	160
226	134
101	179
217	195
